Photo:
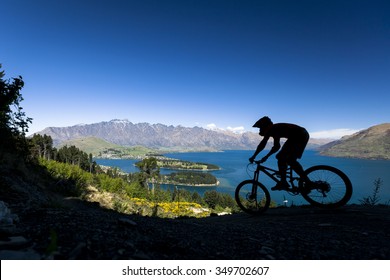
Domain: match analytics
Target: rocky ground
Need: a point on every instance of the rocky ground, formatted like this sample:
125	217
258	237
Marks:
74	229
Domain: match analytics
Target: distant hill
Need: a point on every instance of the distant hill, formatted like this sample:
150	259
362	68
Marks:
371	143
90	144
159	136
101	148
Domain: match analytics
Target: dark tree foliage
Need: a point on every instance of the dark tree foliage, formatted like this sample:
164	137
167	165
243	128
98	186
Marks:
214	199
13	121
42	147
73	155
211	198
196	197
12	118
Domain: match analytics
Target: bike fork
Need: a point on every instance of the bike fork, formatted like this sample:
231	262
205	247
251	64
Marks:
254	185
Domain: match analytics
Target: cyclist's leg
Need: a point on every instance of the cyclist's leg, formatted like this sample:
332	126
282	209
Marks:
297	167
298	146
282	165
282	158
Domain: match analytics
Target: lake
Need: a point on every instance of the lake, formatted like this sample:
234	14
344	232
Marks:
362	173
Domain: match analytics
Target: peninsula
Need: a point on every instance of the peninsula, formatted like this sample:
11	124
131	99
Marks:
175	164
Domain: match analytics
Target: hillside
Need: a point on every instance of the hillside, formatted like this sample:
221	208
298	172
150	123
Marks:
103	149
90	144
371	143
160	136
74	229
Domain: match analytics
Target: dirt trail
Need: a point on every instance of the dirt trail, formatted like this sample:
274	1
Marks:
81	230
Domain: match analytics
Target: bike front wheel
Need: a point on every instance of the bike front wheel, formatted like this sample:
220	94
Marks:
330	187
252	197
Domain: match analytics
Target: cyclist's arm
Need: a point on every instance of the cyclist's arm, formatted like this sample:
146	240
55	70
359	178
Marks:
274	149
260	147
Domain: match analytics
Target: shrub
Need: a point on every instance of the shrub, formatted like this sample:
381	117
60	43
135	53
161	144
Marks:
374	198
72	180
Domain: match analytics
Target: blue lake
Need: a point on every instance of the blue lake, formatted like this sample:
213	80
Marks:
234	170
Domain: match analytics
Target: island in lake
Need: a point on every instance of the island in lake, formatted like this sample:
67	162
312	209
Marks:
188	178
175	164
190	173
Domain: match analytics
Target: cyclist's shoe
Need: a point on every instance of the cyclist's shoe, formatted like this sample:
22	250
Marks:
281	186
308	187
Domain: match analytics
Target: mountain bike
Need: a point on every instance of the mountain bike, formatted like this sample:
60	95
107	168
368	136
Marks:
329	188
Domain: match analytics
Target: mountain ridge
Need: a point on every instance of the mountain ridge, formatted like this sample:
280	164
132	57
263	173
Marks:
370	143
160	136
126	133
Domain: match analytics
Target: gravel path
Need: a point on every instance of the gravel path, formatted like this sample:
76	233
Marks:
81	230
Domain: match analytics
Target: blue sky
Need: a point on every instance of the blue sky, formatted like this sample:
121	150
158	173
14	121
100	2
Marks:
324	65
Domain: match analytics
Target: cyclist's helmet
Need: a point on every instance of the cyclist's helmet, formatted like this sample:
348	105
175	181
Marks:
263	122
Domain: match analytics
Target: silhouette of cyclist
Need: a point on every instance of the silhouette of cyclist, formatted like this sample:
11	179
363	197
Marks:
297	138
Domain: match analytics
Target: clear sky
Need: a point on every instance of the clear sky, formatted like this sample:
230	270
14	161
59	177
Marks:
323	64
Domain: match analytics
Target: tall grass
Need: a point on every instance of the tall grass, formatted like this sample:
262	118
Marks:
374	198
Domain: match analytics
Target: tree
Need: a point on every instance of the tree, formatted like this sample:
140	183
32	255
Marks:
13	121
73	155
12	118
149	166
42	146
196	197
90	162
211	198
150	169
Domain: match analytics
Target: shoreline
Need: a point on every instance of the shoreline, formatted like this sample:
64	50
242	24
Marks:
190	169
189	185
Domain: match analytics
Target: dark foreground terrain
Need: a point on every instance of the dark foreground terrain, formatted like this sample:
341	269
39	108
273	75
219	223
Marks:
76	229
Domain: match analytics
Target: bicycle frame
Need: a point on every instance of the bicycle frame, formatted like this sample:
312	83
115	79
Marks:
273	174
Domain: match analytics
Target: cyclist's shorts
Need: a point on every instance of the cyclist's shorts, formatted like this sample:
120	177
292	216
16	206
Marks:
294	146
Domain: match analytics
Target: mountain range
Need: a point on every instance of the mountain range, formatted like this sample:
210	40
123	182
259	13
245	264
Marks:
371	143
160	136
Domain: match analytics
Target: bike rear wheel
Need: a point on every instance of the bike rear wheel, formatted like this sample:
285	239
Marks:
252	203
331	187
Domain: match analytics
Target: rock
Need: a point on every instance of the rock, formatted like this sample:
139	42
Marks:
76	252
19	255
127	222
13	242
266	250
6	218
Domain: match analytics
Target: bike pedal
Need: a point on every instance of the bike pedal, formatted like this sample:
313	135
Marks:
293	191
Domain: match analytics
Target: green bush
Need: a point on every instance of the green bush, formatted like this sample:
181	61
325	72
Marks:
71	179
